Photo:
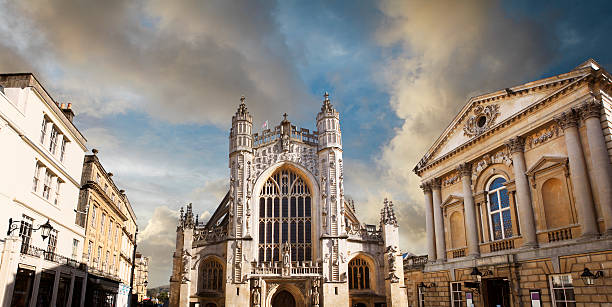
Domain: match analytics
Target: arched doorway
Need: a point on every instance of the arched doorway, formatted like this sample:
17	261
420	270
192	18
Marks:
283	299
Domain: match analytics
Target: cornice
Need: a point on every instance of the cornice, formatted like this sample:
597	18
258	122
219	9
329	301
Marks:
109	203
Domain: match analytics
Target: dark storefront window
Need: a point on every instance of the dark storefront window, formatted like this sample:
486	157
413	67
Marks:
63	290
76	291
45	289
23	288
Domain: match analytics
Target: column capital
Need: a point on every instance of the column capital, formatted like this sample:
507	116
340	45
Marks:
465	169
516	144
591	108
426	186
435	184
567	119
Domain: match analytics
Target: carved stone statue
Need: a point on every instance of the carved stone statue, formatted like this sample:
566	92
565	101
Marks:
286	259
315	293
256	297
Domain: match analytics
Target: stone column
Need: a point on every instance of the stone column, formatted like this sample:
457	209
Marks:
516	147
601	168
471	227
568	121
429	222
438	220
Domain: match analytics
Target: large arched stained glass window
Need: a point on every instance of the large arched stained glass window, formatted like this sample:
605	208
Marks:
500	217
359	274
285	217
212	276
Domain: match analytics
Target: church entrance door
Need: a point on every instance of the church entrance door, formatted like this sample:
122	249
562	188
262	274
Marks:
283	299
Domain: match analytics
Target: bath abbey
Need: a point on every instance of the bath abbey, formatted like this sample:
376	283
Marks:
284	234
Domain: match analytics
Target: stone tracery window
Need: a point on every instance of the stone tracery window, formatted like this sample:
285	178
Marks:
359	274
285	217
212	275
500	216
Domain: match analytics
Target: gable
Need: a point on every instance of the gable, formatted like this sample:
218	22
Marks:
498	109
490	113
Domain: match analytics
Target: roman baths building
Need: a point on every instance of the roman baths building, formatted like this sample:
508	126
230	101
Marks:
518	198
284	234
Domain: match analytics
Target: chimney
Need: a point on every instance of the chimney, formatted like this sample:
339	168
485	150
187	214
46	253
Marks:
68	111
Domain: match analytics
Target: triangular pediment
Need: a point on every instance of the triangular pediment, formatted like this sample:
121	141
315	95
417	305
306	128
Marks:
546	162
485	112
451	199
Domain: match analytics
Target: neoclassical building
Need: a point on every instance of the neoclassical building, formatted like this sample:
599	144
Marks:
284	234
518	198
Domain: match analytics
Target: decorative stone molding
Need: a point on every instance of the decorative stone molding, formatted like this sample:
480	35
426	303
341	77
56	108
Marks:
450	180
516	144
464	169
483	119
500	157
567	119
435	184
267	156
590	109
542	136
426	187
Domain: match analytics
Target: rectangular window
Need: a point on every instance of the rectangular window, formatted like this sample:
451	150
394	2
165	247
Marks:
43	130
99	258
45	288
97	178
75	248
110	231
22	292
63	149
89	255
51	245
47	184
562	290
57	192
456	294
421	296
102	223
93	216
53	140
25	232
36	177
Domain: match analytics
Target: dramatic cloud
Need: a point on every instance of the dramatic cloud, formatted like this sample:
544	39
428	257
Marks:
157	241
185	61
438	61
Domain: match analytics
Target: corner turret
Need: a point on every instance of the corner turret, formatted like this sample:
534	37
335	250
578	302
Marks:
241	134
328	125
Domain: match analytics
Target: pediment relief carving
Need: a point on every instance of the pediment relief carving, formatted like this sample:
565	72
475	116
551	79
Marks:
481	120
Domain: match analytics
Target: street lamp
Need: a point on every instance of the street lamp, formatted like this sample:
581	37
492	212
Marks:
476	272
45	228
589	278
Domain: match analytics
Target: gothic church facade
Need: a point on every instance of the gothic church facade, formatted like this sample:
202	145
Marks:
284	234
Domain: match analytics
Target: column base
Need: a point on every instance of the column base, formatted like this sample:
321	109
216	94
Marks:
472	256
440	261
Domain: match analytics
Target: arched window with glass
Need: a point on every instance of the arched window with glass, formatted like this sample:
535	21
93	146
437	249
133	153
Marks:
359	274
500	215
212	276
285	217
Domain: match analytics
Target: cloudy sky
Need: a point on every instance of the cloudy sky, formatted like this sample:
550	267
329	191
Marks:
155	83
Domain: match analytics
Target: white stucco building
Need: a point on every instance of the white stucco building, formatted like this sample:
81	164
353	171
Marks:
284	234
41	157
